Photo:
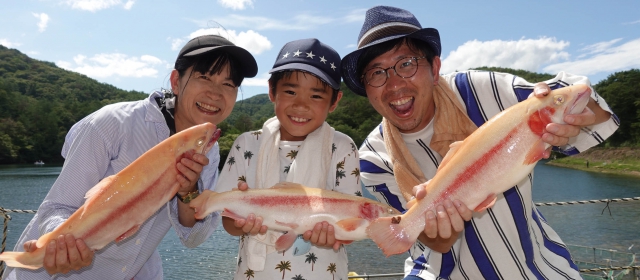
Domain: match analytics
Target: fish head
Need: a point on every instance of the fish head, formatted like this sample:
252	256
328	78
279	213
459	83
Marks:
567	101
200	138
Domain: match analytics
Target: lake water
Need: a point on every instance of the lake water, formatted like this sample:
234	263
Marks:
24	187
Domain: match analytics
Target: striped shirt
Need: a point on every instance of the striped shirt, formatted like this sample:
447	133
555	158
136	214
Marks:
511	240
100	145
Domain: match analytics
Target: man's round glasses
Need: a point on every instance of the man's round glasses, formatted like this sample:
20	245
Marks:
405	68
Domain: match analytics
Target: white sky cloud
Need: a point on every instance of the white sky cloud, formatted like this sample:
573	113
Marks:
250	40
8	44
633	22
236	4
610	59
43	20
177	43
526	54
298	22
114	64
258	81
598	47
96	5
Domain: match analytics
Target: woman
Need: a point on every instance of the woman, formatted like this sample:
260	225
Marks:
204	86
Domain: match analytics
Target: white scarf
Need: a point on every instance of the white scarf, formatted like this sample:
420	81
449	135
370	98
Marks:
305	170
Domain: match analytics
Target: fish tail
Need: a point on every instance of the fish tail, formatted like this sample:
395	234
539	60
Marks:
32	260
203	204
392	237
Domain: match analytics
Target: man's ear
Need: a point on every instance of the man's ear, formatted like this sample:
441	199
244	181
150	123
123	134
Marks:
335	104
435	69
175	81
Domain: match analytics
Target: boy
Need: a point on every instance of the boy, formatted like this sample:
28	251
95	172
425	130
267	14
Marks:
298	146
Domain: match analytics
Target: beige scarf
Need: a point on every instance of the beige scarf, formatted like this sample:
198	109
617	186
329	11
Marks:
451	124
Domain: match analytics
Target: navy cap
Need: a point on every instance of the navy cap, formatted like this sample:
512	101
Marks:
382	24
310	55
207	43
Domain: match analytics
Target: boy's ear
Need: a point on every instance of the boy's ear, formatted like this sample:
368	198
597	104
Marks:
335	104
272	95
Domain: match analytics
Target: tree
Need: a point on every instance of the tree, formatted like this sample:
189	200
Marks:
311	258
621	92
283	266
332	269
249	273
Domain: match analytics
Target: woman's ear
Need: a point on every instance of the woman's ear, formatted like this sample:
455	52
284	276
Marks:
175	81
335	104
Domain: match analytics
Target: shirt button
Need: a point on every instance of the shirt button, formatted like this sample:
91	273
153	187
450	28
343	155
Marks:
138	241
124	269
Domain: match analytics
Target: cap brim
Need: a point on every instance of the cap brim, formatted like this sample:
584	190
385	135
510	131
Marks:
349	63
308	68
247	61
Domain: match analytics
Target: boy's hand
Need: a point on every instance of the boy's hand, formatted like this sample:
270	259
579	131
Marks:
323	235
251	225
189	169
64	254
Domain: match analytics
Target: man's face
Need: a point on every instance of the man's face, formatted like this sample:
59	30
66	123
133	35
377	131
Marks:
406	102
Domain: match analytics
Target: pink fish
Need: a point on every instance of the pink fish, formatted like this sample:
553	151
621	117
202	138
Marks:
295	209
494	158
116	207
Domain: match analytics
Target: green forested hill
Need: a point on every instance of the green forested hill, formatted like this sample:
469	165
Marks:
40	102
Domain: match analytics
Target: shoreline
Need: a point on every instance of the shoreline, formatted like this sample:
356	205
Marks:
596	169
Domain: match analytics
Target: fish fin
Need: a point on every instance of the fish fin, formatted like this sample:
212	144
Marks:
231	214
345	242
201	202
129	232
32	260
282	185
93	193
285	241
289	225
351	224
42	241
487	203
535	153
453	148
391	238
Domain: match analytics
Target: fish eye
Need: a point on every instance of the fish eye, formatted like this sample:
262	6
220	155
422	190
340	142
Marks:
200	142
390	210
558	99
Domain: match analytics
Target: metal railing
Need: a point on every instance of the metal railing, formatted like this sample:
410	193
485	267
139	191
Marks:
630	268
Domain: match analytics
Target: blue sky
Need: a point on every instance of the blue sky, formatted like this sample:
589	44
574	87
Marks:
132	44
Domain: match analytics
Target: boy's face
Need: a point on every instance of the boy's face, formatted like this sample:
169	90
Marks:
203	97
302	104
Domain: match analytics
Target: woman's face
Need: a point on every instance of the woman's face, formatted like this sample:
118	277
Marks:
202	97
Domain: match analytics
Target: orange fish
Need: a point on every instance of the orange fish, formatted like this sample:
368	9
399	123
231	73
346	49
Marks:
491	160
116	207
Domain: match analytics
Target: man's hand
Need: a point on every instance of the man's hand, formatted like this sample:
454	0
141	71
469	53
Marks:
63	254
190	169
323	235
559	134
441	228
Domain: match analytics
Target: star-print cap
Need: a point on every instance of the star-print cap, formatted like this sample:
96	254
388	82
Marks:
310	55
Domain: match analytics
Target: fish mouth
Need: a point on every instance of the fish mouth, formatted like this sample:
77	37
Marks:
579	103
212	140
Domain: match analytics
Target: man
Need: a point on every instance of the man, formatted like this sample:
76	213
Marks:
397	66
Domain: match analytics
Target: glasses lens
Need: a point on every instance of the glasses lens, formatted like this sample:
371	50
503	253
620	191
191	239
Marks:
406	67
376	77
